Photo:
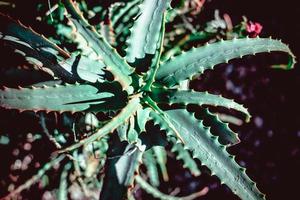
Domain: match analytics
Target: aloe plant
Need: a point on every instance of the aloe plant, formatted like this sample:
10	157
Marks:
98	79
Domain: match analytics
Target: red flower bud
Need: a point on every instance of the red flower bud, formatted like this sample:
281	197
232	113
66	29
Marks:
253	29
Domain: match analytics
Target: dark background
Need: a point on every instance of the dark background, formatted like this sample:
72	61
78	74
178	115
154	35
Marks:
270	147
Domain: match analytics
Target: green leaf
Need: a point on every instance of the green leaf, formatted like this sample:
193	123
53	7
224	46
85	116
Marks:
205	147
130	130
47	56
123	15
151	165
185	97
130	109
84	68
70	32
219	128
63	98
14	31
150	75
132	134
35	48
183	154
122	131
114	62
107	32
120	171
145	33
62	193
142	117
161	158
197	60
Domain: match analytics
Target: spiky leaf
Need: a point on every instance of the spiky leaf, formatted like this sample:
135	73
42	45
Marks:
130	130
161	158
62	98
142	117
62	193
219	128
185	97
145	33
44	54
151	165
114	62
205	147
197	60
35	48
184	155
84	68
122	18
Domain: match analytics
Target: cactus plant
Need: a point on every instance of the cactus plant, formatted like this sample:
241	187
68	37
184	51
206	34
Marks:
98	79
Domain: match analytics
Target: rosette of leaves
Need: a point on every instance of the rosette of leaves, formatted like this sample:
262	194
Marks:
98	79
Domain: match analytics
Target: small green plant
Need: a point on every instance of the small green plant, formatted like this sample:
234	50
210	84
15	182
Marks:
147	84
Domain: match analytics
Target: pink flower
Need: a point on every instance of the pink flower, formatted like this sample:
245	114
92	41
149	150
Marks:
253	29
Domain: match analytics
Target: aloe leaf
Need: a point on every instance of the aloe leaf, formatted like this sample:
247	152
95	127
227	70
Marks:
15	31
161	158
185	97
197	60
142	117
205	147
150	75
84	68
130	109
122	131
47	56
63	98
130	130
145	33
123	15
183	154
70	32
120	171
107	32
219	128
34	47
150	163
157	113
62	193
132	134
114	62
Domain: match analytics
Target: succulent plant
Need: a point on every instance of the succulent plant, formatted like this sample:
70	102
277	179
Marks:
98	79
